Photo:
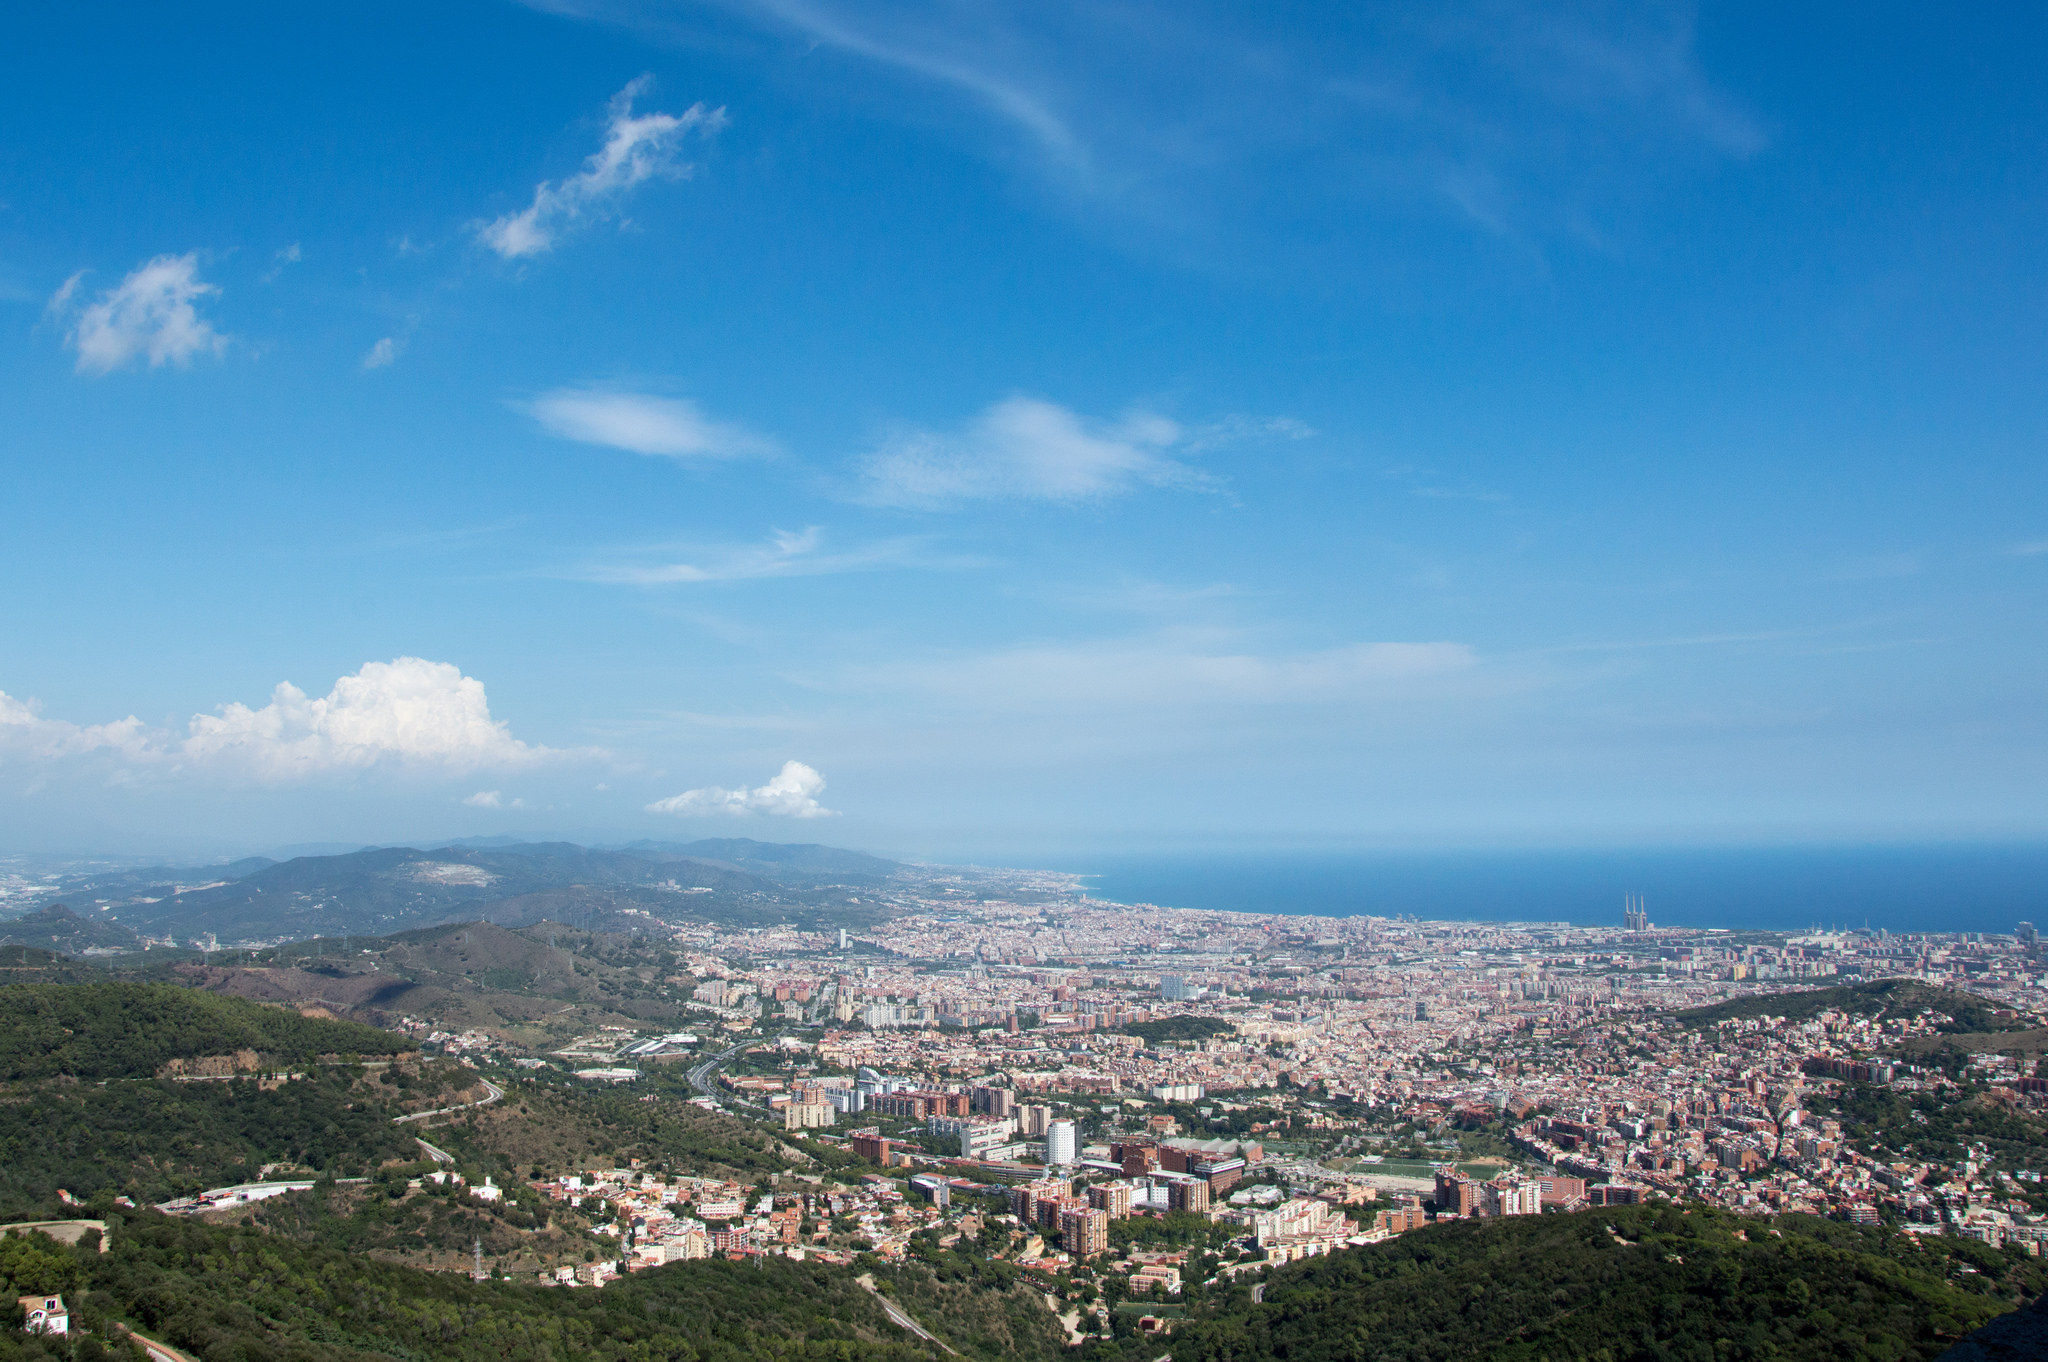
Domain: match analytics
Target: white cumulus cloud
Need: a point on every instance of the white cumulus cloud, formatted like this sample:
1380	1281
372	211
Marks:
493	799
669	426
407	713
152	314
1025	448
637	148
408	710
25	732
792	794
384	353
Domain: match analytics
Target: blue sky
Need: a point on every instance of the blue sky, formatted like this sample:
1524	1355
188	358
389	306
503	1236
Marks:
978	429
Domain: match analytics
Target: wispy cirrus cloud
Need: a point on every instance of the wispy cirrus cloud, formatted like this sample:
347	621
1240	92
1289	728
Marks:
1519	117
1171	668
286	255
637	148
1023	448
384	353
151	314
785	553
641	423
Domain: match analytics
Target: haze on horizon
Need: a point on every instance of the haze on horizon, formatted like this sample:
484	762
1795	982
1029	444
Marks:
995	429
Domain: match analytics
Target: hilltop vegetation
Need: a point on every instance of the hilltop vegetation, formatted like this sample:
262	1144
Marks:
1885	998
433	1226
1637	1282
154	1140
559	1128
82	1106
229	1294
57	928
126	1030
36	965
538	986
1640	1282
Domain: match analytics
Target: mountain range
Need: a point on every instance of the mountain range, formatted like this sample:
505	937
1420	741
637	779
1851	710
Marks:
382	890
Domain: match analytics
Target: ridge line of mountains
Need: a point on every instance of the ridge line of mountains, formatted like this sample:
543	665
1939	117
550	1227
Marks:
382	890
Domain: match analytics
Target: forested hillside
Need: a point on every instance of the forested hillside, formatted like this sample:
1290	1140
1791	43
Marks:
57	928
123	1030
468	974
152	1140
1638	1282
1898	998
234	1295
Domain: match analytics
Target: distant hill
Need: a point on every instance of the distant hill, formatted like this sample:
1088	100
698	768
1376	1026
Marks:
28	965
389	889
471	974
57	928
1878	998
122	1030
776	859
384	890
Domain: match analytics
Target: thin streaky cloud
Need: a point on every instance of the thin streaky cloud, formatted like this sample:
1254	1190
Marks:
784	554
967	70
1511	115
1025	449
637	148
1171	667
642	423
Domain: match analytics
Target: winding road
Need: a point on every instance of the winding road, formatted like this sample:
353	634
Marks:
158	1352
899	1318
493	1089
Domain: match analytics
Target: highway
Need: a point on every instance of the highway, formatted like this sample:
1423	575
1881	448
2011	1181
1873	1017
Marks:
700	1077
493	1089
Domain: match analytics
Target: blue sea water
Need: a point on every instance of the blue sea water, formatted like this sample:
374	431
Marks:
1952	888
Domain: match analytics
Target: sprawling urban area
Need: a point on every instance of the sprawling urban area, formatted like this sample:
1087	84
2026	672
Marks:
1041	1072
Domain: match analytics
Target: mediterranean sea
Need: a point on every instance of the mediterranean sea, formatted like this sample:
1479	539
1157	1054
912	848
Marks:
1948	888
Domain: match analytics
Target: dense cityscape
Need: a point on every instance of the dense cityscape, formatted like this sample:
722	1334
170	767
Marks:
1033	1067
